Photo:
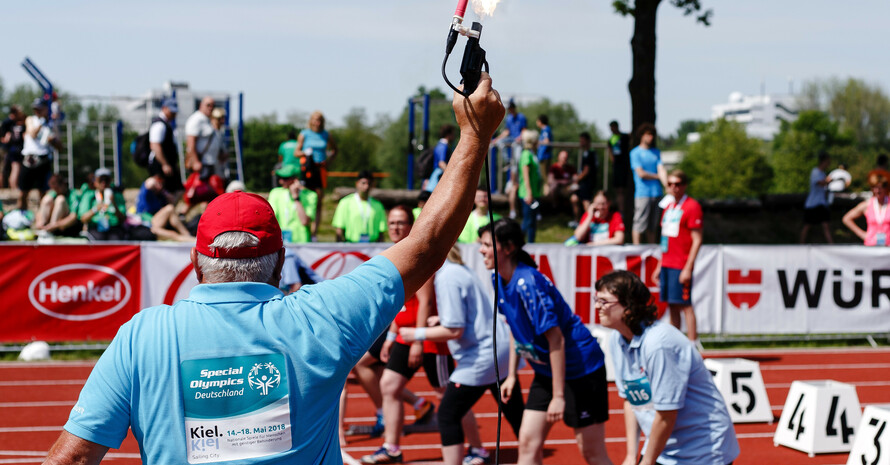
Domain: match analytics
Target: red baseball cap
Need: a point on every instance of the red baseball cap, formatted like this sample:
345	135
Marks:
239	211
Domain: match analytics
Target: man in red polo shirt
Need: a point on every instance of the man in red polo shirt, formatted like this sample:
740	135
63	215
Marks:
681	239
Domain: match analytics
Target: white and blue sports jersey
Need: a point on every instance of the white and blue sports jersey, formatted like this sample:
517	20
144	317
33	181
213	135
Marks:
237	372
662	370
462	303
532	305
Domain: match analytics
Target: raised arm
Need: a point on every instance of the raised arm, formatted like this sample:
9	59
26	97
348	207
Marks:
420	254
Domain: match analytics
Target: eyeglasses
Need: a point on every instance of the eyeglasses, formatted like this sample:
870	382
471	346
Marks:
604	302
398	223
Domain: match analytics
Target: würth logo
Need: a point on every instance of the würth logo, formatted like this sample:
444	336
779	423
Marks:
79	292
743	288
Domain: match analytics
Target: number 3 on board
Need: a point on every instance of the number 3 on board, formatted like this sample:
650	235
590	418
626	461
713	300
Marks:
872	443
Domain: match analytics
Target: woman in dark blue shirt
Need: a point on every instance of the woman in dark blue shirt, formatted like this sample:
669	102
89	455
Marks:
570	376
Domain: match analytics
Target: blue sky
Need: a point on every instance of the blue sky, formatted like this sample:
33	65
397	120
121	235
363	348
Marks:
339	54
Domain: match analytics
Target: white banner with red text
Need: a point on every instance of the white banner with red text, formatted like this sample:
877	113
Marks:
80	292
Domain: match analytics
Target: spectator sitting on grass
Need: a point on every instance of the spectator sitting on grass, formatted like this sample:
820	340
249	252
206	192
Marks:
561	180
103	210
155	205
602	224
57	214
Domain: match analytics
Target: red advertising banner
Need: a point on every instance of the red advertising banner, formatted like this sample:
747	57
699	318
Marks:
64	293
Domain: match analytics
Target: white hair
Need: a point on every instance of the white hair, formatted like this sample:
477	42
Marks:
227	270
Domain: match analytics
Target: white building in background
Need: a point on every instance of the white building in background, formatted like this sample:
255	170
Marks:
762	115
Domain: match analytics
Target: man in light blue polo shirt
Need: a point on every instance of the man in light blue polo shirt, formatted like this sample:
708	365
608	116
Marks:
649	176
238	372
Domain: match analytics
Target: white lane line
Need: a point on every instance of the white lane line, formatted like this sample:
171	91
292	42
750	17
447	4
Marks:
41	382
801	351
30	429
26	365
816	366
63	403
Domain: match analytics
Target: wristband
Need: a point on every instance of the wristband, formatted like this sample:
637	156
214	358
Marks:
419	334
391	336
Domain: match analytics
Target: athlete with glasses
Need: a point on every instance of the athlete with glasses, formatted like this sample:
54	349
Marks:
666	388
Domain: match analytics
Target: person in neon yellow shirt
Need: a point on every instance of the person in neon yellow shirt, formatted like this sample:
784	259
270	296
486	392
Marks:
294	205
422	197
358	217
478	218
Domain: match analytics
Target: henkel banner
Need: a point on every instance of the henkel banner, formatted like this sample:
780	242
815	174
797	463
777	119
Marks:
821	289
64	293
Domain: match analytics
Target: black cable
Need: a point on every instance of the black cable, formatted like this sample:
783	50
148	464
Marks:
494	320
494	332
447	81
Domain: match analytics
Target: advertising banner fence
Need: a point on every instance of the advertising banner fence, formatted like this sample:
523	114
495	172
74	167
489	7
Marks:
67	293
78	293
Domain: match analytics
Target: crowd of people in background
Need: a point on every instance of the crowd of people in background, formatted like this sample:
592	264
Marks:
536	175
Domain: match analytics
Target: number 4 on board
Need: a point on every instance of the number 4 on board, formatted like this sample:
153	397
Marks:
818	417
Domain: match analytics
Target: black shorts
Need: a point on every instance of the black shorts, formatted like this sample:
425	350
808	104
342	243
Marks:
313	178
621	173
377	346
36	177
585	191
437	367
587	398
816	215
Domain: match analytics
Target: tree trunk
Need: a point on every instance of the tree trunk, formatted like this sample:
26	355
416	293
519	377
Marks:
642	82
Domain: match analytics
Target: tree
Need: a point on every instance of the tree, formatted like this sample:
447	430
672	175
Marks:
860	109
797	145
393	151
687	127
726	163
642	81
356	145
564	120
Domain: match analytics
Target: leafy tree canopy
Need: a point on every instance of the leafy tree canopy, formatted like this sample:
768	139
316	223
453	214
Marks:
861	110
689	7
726	163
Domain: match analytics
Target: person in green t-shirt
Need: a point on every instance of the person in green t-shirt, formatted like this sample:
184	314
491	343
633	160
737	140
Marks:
286	151
478	218
103	209
294	205
358	217
529	184
57	214
422	197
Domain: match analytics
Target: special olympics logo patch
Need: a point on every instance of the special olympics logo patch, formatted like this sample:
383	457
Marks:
743	288
264	376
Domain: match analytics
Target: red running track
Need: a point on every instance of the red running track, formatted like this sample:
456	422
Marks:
35	399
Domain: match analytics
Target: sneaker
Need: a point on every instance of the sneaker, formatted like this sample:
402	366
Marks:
383	456
473	457
377	429
425	413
